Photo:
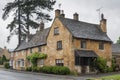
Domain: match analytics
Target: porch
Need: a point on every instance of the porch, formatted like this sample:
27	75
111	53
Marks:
84	60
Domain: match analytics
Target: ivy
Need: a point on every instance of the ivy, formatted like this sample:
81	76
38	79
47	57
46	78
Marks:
35	56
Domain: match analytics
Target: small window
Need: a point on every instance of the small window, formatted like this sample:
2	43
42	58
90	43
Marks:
39	49
59	62
11	54
101	46
23	52
31	50
16	53
56	31
42	62
83	44
59	45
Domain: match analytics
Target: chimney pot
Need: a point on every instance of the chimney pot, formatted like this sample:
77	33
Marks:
76	16
41	26
103	23
57	13
62	15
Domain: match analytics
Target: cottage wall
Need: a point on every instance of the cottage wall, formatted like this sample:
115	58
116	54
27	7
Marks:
67	52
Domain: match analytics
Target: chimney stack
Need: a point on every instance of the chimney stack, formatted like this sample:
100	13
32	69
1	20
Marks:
103	23
76	16
62	15
57	13
41	26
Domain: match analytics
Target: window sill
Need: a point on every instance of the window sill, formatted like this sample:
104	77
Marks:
59	49
56	34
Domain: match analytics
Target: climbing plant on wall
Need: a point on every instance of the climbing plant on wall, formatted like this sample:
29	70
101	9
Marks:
35	56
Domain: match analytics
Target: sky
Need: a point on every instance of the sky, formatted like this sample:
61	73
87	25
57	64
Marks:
87	10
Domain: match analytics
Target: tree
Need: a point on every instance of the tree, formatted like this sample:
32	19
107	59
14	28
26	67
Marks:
118	41
31	12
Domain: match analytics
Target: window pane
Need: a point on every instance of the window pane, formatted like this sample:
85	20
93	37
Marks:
101	45
56	31
83	44
39	49
59	45
59	62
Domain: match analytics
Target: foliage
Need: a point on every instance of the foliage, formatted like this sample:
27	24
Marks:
31	11
113	66
46	69
35	56
118	41
55	70
101	64
50	69
6	65
3	59
29	69
36	69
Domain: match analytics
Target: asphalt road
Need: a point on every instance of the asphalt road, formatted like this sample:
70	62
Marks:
8	75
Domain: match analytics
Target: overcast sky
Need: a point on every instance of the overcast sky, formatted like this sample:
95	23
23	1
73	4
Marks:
87	13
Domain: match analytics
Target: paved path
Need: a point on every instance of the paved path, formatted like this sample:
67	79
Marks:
12	75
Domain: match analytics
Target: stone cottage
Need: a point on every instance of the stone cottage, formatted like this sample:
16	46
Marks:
68	42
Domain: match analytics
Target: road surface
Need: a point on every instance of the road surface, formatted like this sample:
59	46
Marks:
12	75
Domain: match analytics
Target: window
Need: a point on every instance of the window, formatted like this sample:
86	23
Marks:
83	44
59	45
31	50
16	53
101	46
11	54
21	63
23	52
56	31
83	61
42	62
39	49
59	62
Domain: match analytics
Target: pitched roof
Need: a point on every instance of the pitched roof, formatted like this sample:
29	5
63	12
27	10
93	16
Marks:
84	30
85	53
115	49
38	39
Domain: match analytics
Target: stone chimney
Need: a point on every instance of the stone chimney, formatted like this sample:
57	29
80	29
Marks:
62	15
76	16
103	23
41	26
57	13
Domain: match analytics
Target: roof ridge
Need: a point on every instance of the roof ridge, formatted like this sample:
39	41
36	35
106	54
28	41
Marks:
80	21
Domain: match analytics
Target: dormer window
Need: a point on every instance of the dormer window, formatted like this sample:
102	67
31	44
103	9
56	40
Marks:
56	31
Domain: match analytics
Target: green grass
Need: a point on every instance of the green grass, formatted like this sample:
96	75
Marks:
114	77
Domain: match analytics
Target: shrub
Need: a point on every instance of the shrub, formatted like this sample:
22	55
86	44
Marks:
109	69
55	70
46	69
101	64
35	56
35	69
29	69
6	65
60	70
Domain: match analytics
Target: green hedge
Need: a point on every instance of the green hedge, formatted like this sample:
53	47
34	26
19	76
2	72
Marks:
6	65
55	70
29	69
50	69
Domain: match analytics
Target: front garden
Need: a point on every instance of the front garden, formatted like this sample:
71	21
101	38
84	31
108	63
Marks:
45	69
